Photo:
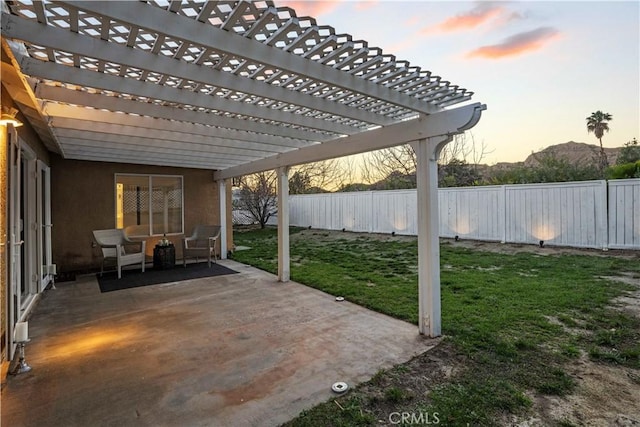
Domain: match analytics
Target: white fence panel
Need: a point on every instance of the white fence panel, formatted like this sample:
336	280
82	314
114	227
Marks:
472	212
362	208
624	214
301	210
332	211
395	211
567	214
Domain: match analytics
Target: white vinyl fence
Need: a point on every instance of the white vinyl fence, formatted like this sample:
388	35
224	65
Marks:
566	214
242	217
624	214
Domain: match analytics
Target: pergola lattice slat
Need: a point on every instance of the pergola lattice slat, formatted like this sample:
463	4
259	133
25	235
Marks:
112	103
133	86
165	138
156	20
56	110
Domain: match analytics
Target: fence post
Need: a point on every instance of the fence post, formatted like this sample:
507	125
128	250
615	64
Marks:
604	222
503	206
374	215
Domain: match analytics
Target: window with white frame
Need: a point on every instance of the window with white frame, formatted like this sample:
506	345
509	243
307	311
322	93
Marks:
148	205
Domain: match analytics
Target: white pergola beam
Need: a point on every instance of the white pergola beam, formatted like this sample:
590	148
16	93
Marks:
112	103
107	140
93	142
154	136
55	111
134	157
80	77
64	40
158	20
147	160
444	123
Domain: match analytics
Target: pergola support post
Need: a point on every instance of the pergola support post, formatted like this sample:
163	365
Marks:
429	308
222	197
284	267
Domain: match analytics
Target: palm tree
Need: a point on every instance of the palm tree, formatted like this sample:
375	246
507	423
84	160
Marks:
597	123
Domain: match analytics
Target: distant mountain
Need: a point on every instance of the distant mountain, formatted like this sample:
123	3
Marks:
574	152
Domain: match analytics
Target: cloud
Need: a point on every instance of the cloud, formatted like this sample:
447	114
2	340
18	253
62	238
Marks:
312	9
413	20
480	14
516	44
364	5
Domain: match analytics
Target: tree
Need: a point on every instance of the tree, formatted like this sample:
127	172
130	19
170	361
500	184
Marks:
395	168
300	183
258	199
548	168
389	167
628	162
396	180
597	123
458	173
464	148
320	177
630	153
459	160
354	186
624	171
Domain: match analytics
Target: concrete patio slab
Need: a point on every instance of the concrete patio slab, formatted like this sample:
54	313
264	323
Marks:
236	350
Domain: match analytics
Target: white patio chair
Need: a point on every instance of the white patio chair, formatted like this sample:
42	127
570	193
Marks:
116	246
202	243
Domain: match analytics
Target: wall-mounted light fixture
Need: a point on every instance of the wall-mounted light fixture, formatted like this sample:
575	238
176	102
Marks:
8	117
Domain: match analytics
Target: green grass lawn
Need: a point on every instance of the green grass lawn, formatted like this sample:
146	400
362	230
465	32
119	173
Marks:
508	317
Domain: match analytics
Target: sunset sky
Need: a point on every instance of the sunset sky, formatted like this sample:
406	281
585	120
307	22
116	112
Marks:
541	67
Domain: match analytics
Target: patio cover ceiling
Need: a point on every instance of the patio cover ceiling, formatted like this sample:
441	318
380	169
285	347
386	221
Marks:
205	84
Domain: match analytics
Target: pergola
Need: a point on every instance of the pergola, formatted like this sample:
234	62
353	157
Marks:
236	87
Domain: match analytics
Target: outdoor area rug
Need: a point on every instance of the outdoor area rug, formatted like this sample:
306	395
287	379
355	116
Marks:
135	278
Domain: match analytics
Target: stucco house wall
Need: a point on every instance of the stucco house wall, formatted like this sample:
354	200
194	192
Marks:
83	199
